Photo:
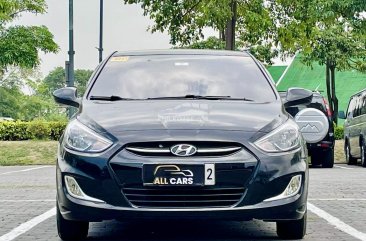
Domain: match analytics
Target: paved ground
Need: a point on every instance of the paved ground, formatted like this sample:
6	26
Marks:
337	202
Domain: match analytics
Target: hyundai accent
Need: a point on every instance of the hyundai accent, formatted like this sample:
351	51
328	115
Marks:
181	134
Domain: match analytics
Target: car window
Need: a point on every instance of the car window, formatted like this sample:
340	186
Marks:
141	77
317	102
351	107
363	104
357	108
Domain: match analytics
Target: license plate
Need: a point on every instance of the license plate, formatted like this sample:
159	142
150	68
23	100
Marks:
178	175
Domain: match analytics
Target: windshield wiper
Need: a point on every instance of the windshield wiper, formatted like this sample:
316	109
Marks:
109	98
199	97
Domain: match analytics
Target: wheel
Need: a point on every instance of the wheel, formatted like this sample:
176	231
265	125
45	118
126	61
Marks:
71	230
328	158
294	229
315	158
363	154
350	160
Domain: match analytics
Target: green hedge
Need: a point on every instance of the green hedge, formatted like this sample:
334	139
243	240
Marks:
21	130
338	132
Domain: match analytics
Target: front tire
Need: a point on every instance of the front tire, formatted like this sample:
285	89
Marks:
363	154
71	230
350	160
294	229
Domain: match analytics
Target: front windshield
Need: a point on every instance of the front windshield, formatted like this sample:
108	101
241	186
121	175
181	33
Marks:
143	77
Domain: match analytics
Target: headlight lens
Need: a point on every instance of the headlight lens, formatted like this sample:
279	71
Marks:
80	138
287	137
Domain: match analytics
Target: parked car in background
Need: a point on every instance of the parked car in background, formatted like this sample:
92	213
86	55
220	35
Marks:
322	153
6	119
355	129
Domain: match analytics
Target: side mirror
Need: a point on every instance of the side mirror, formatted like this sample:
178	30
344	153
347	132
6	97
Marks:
341	115
67	96
298	96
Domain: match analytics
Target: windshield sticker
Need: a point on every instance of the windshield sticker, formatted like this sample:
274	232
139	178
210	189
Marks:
120	59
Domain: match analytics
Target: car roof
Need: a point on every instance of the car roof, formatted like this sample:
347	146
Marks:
315	94
183	52
359	92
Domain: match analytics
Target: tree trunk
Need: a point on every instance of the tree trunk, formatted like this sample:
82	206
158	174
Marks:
334	95
230	28
329	94
222	35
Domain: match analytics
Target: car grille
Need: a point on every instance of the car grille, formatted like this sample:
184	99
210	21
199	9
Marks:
203	148
187	197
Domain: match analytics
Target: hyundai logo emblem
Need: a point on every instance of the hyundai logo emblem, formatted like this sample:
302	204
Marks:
183	150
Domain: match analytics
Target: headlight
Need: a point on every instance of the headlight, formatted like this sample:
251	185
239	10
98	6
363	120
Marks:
287	137
80	138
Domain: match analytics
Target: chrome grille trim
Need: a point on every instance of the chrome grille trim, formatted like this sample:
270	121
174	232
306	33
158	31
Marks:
148	150
167	150
216	150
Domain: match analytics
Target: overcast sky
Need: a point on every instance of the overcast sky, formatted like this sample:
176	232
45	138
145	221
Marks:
124	29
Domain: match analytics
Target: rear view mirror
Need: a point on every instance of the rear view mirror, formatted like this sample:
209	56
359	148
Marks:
298	96
67	96
341	115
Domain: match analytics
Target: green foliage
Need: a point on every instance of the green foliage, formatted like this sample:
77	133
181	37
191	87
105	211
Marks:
14	131
39	130
338	132
21	130
325	31
209	43
20	45
9	102
56	79
185	21
57	129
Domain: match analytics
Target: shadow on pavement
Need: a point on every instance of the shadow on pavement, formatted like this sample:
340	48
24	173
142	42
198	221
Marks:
182	230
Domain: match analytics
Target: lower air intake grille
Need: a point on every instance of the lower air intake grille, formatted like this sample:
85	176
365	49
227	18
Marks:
187	197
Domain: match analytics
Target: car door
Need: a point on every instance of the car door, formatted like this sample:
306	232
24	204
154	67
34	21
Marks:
355	127
363	116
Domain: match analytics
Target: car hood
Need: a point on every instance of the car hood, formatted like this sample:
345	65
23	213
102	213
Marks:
121	116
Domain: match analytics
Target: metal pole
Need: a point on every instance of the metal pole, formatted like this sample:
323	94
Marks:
71	43
101	32
70	70
67	72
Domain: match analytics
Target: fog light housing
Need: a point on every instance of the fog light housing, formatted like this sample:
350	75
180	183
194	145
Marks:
75	191
291	190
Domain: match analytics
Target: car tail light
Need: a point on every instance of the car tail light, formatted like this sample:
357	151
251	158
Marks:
329	113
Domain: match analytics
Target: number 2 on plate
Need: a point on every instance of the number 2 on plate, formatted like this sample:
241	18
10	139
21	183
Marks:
210	174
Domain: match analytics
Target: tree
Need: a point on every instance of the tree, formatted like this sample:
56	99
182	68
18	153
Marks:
56	80
9	102
247	21
329	32
20	45
261	52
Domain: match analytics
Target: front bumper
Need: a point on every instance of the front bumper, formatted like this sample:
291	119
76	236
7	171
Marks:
287	209
269	177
